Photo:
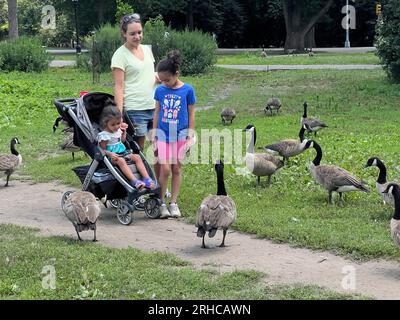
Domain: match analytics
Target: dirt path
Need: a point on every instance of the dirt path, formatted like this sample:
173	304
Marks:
38	205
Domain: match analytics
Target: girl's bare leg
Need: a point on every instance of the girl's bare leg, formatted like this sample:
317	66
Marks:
165	171
176	180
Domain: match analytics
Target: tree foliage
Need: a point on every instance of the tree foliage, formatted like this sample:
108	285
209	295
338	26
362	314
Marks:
388	39
241	23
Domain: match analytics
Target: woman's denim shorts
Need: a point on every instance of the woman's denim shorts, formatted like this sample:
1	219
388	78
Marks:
142	121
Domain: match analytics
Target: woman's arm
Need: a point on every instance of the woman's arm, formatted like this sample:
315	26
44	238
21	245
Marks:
155	120
119	78
191	119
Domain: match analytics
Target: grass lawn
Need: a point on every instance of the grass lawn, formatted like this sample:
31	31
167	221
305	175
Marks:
254	58
84	270
360	107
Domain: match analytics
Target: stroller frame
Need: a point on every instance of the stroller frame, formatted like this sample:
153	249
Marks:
74	111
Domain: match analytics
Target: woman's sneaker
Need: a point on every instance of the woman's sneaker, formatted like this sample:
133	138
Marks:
174	209
164	211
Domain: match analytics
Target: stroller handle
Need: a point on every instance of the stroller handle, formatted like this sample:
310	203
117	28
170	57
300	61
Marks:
60	103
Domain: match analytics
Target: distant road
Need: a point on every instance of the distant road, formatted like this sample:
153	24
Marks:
229	51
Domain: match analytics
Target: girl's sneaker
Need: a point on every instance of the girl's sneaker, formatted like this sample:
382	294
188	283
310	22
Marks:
164	211
174	209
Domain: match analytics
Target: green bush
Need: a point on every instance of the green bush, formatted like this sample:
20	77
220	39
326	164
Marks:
387	40
23	54
199	50
101	46
157	34
60	36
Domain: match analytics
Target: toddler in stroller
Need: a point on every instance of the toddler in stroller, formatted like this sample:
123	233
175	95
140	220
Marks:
111	141
106	177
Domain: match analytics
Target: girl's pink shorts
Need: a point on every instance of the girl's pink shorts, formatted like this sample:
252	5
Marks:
171	152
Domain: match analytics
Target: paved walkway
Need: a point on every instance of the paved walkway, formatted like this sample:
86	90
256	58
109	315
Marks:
68	63
281	263
62	63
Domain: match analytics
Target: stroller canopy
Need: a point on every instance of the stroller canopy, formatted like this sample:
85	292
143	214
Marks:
88	111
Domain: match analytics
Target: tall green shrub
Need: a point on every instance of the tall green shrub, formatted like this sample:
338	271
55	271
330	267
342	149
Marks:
101	46
198	49
387	40
158	35
23	54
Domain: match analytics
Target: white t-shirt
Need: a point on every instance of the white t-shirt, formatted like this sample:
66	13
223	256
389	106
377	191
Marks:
114	143
139	77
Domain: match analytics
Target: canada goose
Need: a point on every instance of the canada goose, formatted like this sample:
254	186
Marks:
264	53
260	164
381	182
10	162
218	211
272	104
68	145
394	190
289	147
312	124
57	123
228	114
333	178
83	210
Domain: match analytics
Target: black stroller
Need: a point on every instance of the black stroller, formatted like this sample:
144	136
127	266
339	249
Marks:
101	177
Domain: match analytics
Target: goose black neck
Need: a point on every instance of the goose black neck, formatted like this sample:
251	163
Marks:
12	148
396	196
318	158
382	172
220	181
305	110
301	134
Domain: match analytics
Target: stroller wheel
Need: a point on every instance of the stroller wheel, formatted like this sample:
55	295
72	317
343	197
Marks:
123	213
114	203
152	208
64	198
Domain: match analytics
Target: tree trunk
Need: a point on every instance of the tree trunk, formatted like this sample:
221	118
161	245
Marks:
296	26
309	40
189	15
100	11
12	19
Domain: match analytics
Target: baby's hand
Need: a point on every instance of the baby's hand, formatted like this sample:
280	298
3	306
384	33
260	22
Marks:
124	126
113	156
